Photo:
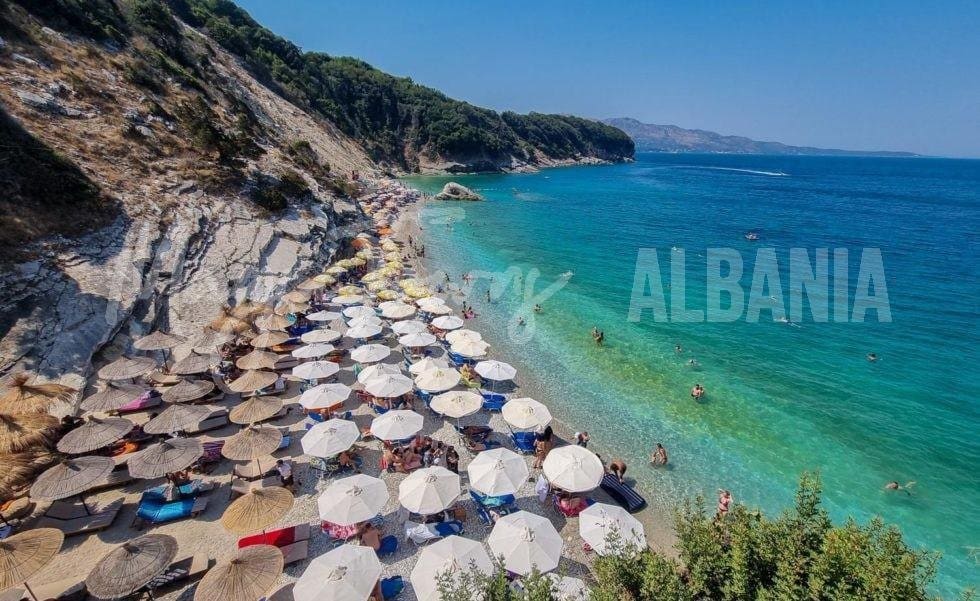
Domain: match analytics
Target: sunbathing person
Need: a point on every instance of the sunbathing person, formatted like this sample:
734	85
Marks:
348	459
570	505
369	535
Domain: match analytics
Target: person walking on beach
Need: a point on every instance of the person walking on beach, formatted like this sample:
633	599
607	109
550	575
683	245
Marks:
285	474
542	446
659	456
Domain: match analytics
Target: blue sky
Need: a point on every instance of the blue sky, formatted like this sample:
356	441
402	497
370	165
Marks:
897	75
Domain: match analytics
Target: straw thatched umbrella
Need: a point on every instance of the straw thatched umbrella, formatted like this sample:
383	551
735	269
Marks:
27	553
272	322
257	509
165	458
24	397
257	360
127	368
112	396
19	470
311	284
130	566
255	409
212	339
252	442
248	310
298	296
292	307
246	577
228	322
269	339
94	434
253	380
188	390
23	431
158	341
195	363
176	418
71	477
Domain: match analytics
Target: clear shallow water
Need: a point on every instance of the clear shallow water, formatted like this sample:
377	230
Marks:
781	399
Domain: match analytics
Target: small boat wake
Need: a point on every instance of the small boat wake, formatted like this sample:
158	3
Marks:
735	169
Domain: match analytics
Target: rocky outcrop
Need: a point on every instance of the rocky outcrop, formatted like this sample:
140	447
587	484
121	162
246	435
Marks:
454	191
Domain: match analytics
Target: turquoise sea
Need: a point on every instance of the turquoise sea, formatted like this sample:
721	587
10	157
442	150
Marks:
781	398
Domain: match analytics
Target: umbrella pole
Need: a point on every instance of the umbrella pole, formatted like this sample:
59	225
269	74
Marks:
82	499
30	592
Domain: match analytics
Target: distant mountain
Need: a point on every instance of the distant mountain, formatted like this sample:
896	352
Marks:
670	138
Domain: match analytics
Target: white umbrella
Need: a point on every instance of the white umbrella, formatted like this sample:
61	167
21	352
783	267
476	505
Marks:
437	309
398	311
369	320
319	336
349	501
398	424
370	353
407	327
497	472
429	490
450	557
426	364
363	331
353	312
417	339
447	322
438	379
389	385
573	468
526	541
601	523
566	588
323	316
456	403
348	573
467	348
526	414
431	301
457	336
495	370
377	370
324	395
330	438
347	300
313	370
317	349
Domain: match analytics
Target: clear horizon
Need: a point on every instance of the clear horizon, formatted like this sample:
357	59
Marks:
893	76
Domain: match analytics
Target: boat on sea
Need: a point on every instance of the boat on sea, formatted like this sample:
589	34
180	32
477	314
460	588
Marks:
751	236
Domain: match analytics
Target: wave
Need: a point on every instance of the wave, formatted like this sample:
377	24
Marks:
752	171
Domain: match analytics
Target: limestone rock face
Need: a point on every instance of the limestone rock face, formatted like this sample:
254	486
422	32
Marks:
454	191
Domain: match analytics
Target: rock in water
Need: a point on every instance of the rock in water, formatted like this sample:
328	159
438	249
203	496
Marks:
454	191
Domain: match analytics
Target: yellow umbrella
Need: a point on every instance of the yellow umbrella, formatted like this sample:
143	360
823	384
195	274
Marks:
336	270
395	265
392	256
408	283
376	286
387	295
372	276
311	284
348	290
365	254
257	509
357	262
325	278
390	272
345	263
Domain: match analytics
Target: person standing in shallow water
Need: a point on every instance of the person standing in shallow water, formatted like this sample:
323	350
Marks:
659	456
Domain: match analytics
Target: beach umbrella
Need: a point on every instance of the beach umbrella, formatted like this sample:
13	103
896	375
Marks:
253	380
449	558
444	310
526	414
257	359
158	341
351	500
398	311
378	369
245	577
323	316
252	442
425	364
257	509
310	351
408	327
355	312
397	424
347	573
325	278
389	385
195	363
297	296
212	339
526	541
330	438
497	472
348	290
459	336
25	554
437	380
232	321
363	331
166	457
430	301
417	339
347	300
314	370
94	434
23	431
470	349
324	395
495	370
315	336
367	320
429	490
188	390
605	527
255	409
566	588
272	322
125	368
131	566
573	468
370	353
288	307
386	295
71	477
372	277
269	339
311	285
335	270
23	396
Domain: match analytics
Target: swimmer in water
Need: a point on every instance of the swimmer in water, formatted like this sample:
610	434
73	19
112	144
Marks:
872	357
520	321
678	349
693	363
893	485
537	308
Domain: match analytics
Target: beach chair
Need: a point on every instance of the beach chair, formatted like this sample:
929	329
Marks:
85	523
571	513
392	587
180	571
153	510
293	542
421	534
493	401
253	470
389	544
523	441
210	458
65	589
625	495
163	493
240	487
145	401
217	419
501	505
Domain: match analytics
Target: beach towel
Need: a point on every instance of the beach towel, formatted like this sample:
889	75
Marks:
541	488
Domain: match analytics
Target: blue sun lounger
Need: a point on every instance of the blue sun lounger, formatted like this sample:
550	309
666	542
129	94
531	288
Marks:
523	441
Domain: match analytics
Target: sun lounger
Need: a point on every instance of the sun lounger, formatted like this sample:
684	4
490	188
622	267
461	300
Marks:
623	494
389	545
180	571
217	419
569	513
392	587
287	362
17	509
214	398
294	542
249	470
98	520
117	477
494	402
421	534
156	511
240	487
66	589
210	458
162	493
523	441
142	403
